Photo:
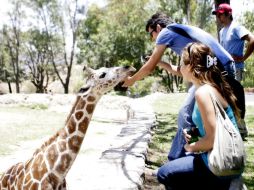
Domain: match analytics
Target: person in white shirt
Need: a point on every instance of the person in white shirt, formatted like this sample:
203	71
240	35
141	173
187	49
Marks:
232	38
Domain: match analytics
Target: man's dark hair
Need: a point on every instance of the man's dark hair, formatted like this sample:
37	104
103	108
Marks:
227	14
158	18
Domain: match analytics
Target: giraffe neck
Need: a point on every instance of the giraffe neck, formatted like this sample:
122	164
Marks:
65	147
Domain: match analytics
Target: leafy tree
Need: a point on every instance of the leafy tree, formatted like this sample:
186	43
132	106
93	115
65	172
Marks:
107	36
249	63
58	18
87	39
248	20
38	59
204	15
13	40
5	70
119	37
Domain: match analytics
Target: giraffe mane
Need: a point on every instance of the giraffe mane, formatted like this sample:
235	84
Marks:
72	109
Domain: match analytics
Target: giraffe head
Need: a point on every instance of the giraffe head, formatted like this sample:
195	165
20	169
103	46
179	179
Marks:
105	79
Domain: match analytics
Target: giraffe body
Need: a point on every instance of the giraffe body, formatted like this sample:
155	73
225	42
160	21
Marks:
48	167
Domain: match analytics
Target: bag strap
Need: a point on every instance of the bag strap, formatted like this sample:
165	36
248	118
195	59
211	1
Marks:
217	105
178	30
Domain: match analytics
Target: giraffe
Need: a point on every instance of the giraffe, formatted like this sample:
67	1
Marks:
49	165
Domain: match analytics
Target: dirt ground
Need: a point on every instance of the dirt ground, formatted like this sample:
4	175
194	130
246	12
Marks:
151	182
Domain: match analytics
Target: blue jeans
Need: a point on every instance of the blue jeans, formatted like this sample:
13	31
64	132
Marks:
230	68
239	74
190	172
184	120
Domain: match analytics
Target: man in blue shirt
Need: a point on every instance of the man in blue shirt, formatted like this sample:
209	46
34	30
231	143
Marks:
176	36
232	37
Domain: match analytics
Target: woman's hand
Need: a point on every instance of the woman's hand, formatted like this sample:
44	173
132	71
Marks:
187	147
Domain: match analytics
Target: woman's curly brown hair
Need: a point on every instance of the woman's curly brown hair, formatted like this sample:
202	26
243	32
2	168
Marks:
195	55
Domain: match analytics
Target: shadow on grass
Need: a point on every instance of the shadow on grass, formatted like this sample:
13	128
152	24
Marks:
166	125
164	133
251	136
153	164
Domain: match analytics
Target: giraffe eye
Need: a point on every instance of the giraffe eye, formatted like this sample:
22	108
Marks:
102	75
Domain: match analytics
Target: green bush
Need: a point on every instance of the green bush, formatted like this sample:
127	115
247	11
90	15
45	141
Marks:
248	80
35	106
143	87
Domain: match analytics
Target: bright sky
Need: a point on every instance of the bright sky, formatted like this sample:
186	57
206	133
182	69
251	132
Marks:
237	5
5	6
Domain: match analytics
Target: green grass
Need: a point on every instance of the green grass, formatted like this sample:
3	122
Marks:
20	124
249	170
166	110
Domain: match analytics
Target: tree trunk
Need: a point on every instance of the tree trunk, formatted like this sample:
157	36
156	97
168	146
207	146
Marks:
7	80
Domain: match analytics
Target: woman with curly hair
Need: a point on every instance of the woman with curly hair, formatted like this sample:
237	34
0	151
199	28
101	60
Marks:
199	66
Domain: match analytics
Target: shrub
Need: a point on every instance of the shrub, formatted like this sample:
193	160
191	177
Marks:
248	80
36	106
143	87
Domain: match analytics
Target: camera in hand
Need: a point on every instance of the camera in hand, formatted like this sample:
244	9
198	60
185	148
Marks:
194	133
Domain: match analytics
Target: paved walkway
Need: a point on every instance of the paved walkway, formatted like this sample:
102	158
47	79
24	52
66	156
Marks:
113	153
249	99
119	161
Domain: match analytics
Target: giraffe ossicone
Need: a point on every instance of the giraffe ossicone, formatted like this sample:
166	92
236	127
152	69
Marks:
49	165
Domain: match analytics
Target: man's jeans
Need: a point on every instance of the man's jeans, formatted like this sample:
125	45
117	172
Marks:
230	68
184	120
239	74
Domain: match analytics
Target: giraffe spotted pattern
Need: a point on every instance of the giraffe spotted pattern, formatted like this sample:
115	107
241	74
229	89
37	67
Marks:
49	165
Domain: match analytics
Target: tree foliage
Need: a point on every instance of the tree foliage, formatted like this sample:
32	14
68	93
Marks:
59	34
6	74
12	36
38	59
248	81
119	36
60	22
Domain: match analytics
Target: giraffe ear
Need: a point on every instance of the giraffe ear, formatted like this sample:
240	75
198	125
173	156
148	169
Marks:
88	70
